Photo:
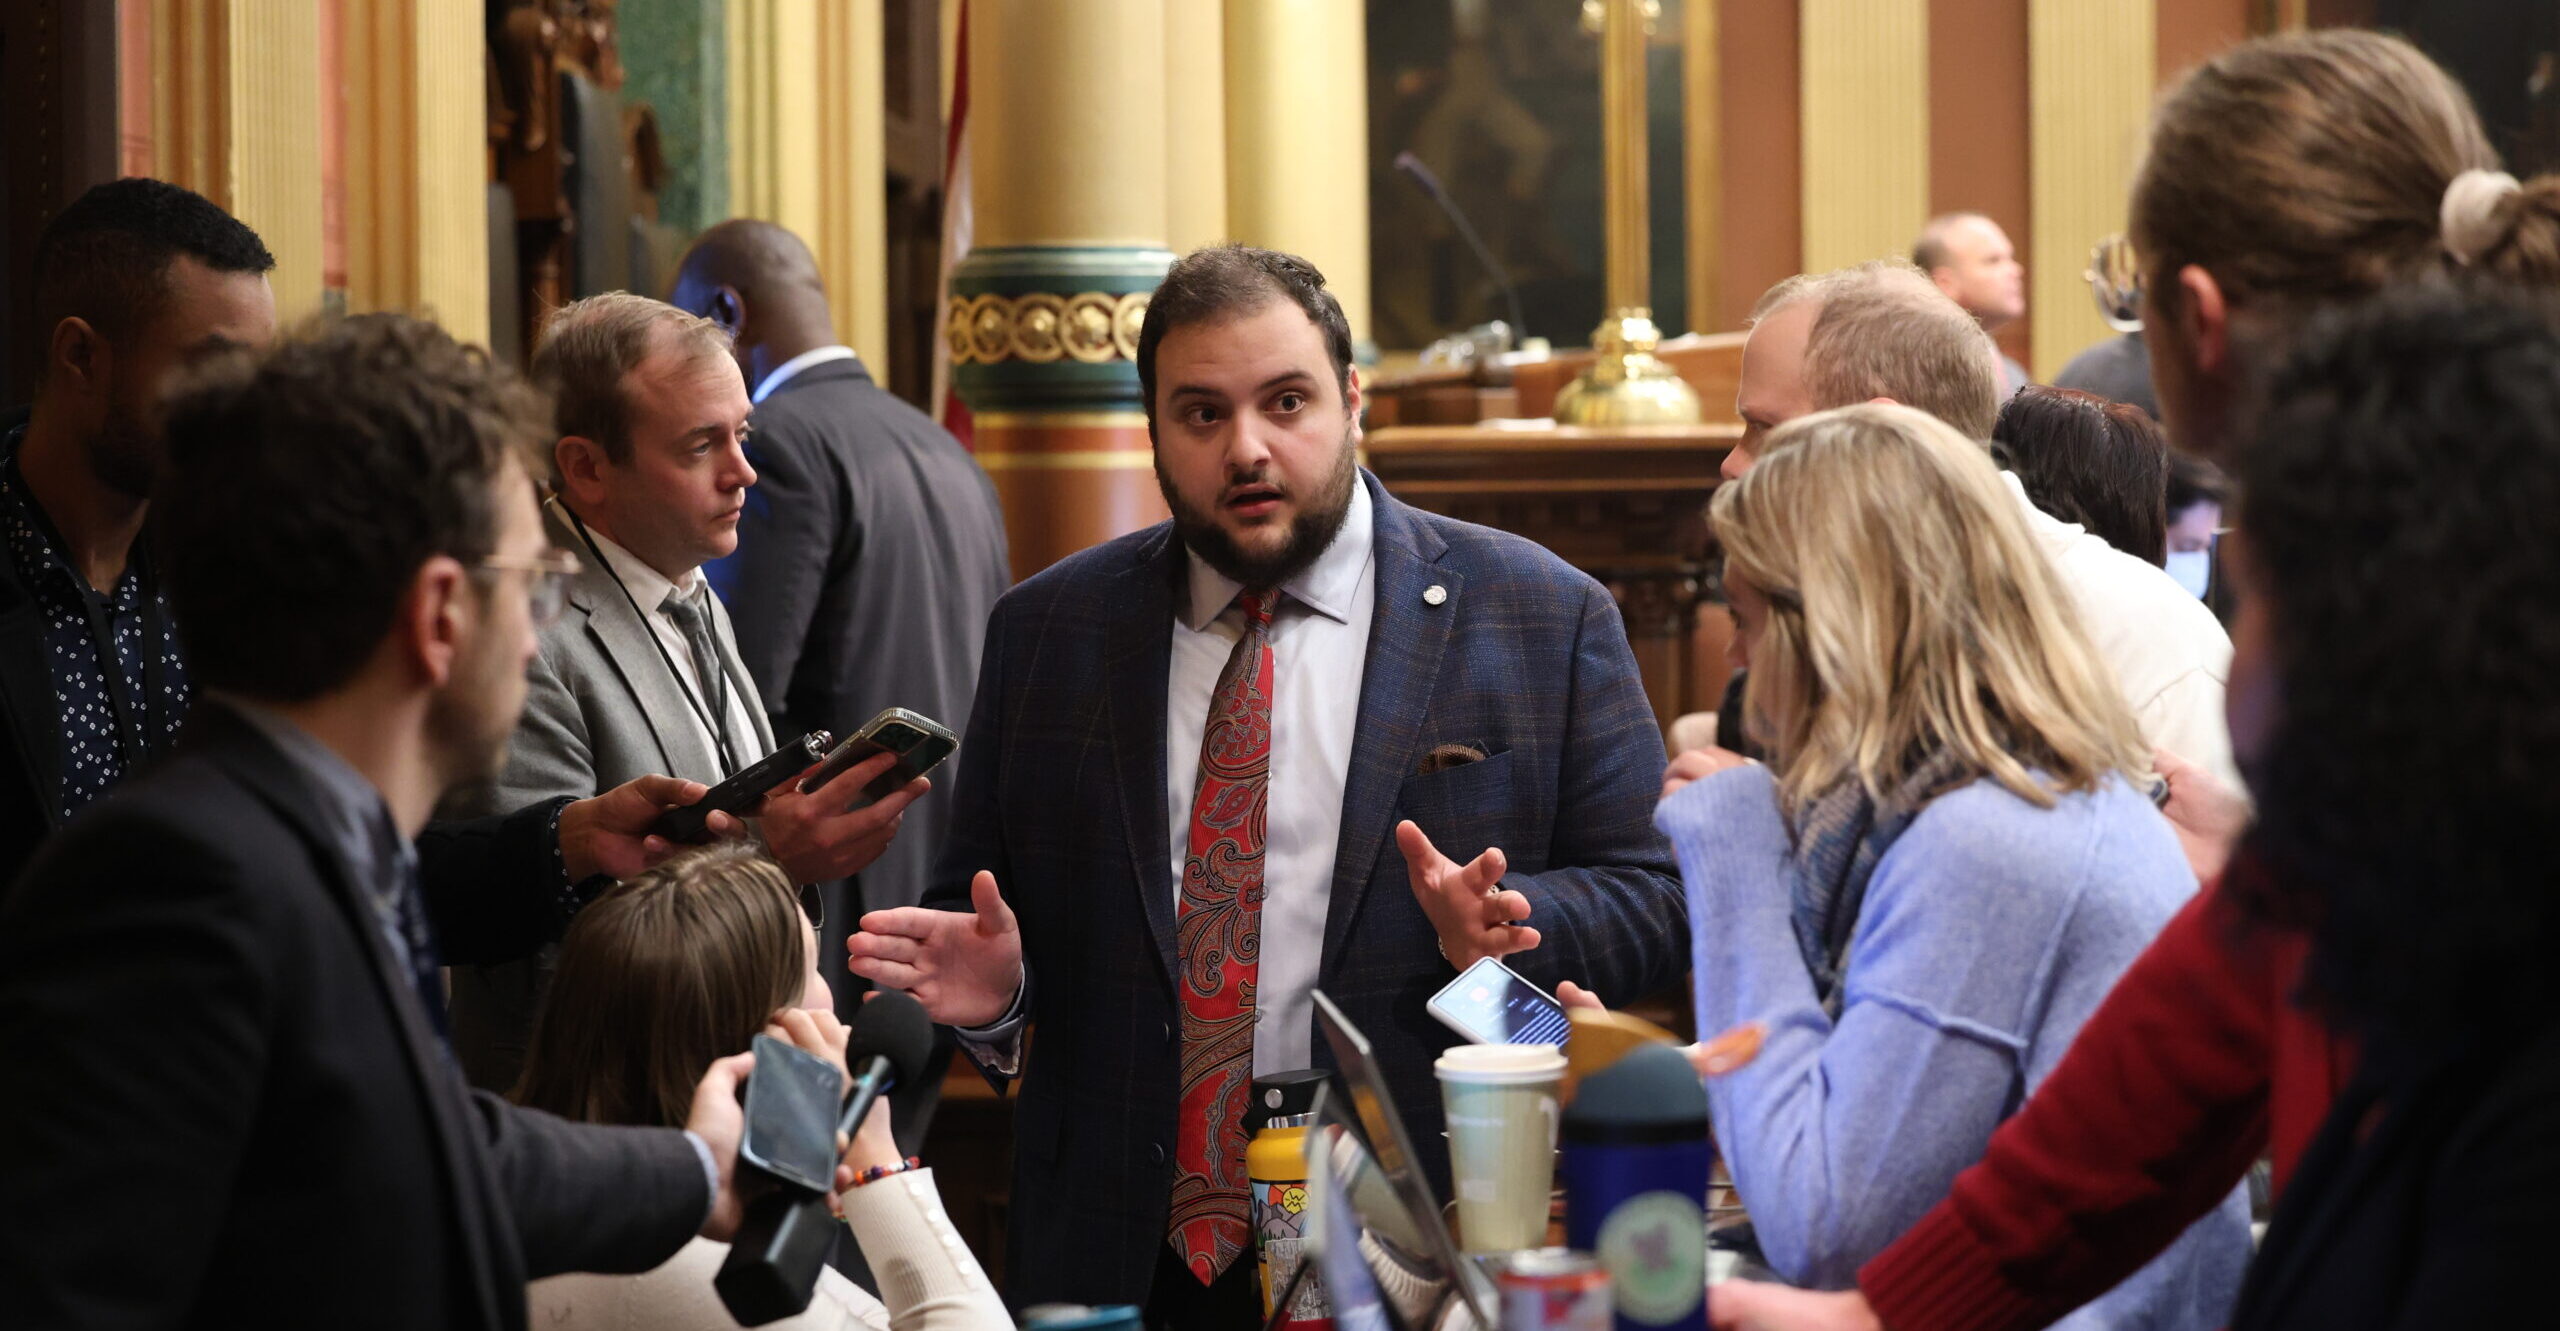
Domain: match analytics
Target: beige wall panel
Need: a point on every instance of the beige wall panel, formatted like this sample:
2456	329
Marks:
1865	97
2089	79
417	228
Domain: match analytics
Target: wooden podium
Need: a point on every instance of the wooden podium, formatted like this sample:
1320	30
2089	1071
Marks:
1626	505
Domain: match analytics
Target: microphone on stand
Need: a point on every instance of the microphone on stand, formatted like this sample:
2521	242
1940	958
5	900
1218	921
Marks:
773	1265
1429	184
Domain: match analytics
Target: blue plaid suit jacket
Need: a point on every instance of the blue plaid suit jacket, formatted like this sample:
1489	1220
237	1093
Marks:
1061	792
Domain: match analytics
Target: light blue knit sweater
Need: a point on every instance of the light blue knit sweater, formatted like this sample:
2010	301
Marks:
1990	930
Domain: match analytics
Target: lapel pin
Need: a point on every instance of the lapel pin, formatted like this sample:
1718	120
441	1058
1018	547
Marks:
1434	594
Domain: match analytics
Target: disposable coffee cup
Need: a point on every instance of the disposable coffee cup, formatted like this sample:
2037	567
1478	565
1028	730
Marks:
1501	1103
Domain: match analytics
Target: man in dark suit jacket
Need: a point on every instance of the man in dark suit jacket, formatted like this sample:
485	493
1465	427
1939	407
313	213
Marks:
221	980
1461	680
871	549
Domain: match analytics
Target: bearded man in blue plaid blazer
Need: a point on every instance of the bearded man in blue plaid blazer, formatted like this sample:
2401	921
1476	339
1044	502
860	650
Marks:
1461	763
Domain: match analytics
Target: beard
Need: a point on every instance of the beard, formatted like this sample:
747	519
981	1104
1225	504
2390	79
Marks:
1318	521
123	455
472	719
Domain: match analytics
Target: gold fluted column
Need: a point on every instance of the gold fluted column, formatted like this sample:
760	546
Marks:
1702	158
1865	98
1068	168
417	169
2089	88
806	118
852	242
1297	136
236	118
1195	123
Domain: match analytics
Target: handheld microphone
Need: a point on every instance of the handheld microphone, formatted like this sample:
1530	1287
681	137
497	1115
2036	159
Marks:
1429	184
773	1265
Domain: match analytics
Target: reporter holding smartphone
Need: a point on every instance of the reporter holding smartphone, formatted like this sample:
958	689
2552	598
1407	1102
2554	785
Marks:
1945	863
218	986
640	673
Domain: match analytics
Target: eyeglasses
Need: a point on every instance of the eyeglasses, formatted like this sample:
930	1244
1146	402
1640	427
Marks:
2115	281
547	592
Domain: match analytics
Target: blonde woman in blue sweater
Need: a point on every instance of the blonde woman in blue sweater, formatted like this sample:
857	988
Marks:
1947	861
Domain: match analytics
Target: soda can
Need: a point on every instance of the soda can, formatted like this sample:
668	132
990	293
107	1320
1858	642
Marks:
1553	1289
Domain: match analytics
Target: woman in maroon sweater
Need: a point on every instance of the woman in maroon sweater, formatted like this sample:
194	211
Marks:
2285	175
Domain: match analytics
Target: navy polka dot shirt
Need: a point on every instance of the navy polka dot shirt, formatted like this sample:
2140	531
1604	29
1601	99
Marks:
136	616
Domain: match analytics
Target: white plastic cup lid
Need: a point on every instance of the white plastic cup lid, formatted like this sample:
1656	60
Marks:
1501	1064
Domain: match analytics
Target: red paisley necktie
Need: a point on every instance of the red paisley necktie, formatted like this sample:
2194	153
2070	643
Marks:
1219	939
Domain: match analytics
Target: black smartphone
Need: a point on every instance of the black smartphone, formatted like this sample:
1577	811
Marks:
920	742
791	1115
743	791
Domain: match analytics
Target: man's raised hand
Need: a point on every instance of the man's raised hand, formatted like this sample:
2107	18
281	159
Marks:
964	968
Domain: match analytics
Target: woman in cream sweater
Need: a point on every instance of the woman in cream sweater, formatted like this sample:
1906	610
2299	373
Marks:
670	970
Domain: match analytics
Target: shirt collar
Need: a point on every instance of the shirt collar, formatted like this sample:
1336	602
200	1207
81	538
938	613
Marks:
350	803
647	585
1326	586
782	373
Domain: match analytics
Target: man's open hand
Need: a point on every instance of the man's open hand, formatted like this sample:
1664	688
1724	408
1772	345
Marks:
1466	903
964	968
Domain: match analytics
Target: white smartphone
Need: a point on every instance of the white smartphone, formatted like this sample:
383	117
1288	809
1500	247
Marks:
1490	1004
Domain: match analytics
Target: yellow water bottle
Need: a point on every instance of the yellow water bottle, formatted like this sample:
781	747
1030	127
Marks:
1275	1167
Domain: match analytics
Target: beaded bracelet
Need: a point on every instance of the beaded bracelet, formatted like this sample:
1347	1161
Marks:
879	1172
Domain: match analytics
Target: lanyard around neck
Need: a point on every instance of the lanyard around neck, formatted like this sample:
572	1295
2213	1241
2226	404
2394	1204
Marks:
701	709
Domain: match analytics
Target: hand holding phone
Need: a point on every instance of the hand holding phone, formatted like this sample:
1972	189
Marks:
743	791
919	741
1490	1004
791	1115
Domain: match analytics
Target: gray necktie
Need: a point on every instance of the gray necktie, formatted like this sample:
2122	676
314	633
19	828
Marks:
694	621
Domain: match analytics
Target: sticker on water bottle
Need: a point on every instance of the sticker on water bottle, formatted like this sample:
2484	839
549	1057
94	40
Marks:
1655	1248
1280	1228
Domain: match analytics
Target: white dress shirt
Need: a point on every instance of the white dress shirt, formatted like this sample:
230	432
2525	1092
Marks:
649	590
2169	654
1319	655
772	383
1319	652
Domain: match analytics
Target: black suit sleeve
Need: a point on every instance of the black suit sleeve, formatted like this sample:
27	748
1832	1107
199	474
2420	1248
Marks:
495	887
107	1121
791	544
976	839
586	1197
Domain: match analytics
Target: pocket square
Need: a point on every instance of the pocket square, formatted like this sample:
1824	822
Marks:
1445	756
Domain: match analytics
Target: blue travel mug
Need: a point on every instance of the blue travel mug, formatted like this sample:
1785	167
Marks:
1637	1149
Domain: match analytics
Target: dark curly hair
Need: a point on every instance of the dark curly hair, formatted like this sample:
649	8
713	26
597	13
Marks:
106	257
2397	492
1225	281
304	489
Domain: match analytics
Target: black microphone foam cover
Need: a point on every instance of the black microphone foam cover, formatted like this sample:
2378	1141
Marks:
891	1025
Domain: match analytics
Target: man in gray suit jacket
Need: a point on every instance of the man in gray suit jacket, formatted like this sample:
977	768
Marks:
871	550
641	674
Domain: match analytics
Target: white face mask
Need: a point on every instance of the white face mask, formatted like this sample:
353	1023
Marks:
2193	570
